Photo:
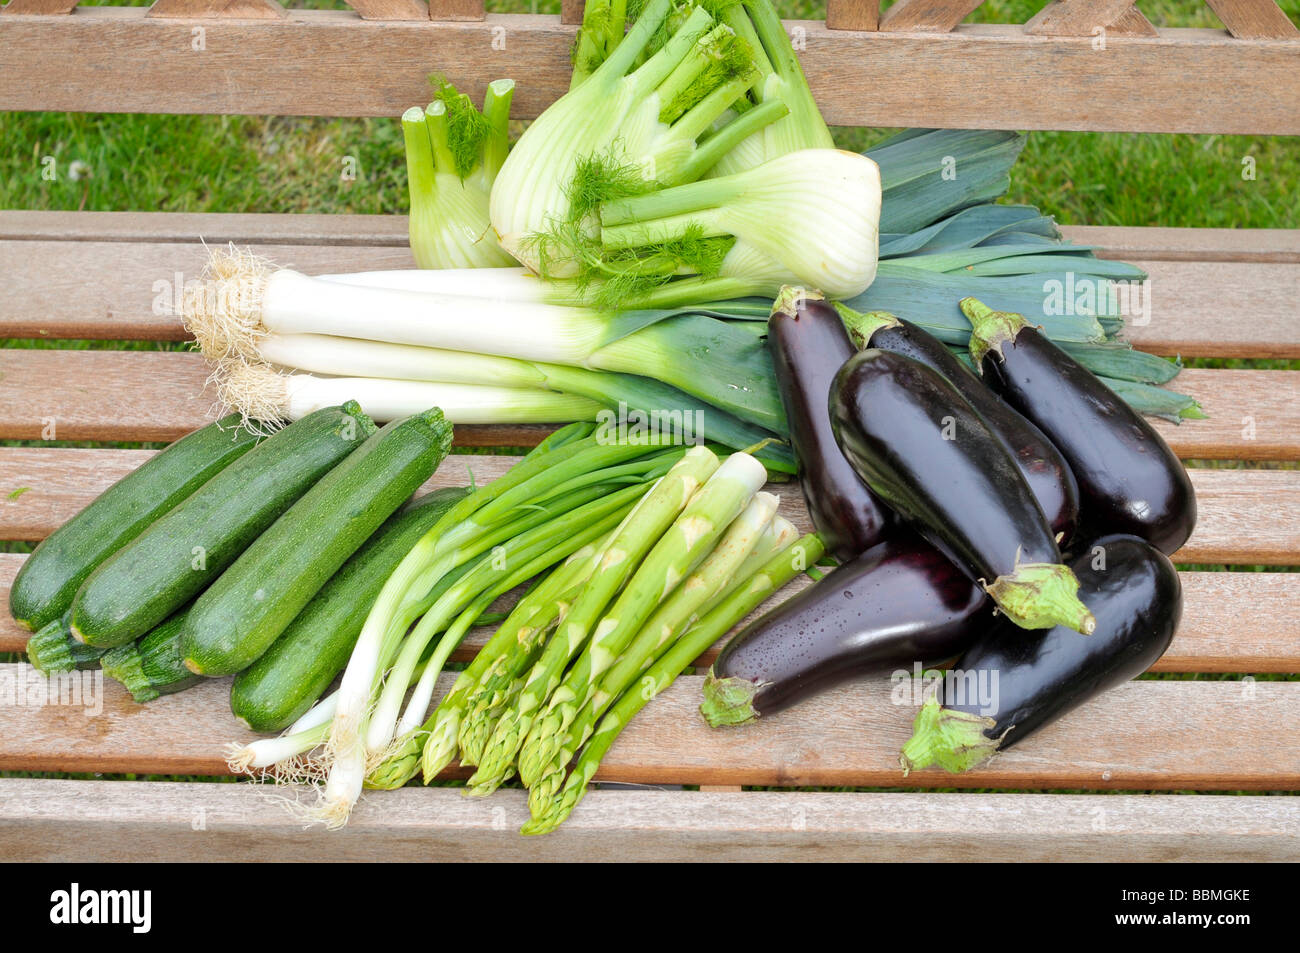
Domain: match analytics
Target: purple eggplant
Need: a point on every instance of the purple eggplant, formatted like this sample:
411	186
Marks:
1041	464
1129	480
898	603
809	344
1023	681
923	450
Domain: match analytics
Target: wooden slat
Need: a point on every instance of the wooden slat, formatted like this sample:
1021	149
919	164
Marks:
39	7
393	9
140	283
1249	517
852	14
1232	622
116	821
1261	245
926	16
108	59
456	10
1159	735
1081	17
1132	22
133	287
145	395
1254	19
571	11
1278	245
142	395
229	9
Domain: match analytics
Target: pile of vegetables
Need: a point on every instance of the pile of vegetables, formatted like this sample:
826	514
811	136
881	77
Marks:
1018	517
965	449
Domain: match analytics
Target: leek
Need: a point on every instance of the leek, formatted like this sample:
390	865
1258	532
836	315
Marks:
453	155
261	393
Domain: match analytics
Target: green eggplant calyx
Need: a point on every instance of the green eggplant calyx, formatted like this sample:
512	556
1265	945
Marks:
1040	596
955	740
862	325
728	701
990	329
790	297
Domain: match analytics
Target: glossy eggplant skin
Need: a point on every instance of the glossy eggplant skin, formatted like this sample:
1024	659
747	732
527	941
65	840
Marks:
898	603
1129	480
1135	594
1042	465
924	450
809	345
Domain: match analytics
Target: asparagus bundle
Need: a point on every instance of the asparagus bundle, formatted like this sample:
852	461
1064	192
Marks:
663	671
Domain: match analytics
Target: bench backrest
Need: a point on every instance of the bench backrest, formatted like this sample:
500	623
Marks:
1076	65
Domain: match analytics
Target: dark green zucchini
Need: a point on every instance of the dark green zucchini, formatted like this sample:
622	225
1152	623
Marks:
53	649
295	671
52	574
152	665
177	557
245	610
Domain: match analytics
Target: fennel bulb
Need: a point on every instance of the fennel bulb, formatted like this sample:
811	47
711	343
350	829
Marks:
623	131
453	155
809	217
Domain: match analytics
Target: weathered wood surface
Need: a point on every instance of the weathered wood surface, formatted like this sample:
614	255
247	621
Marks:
1158	735
229	9
1254	19
1090	18
151	395
397	9
1112	241
39	7
926	16
111	59
852	14
76	821
1201	308
453	10
1245	622
1245	516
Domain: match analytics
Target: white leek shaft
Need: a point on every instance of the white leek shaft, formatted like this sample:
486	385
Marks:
353	357
514	284
294	303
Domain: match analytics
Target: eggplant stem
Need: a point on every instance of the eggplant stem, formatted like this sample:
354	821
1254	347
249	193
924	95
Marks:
728	701
990	329
955	740
1040	596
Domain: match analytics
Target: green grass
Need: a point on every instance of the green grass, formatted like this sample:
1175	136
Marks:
259	164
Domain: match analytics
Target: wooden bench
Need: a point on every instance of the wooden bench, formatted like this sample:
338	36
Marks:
1216	293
